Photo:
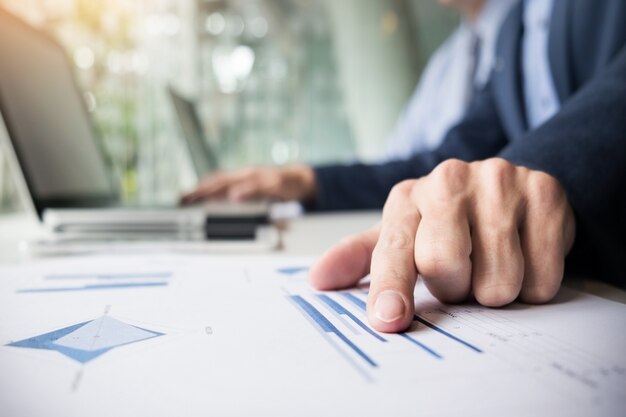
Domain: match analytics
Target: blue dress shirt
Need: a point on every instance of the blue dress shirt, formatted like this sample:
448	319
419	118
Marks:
447	84
540	95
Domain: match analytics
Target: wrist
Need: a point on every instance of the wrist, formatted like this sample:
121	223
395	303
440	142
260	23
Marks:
300	183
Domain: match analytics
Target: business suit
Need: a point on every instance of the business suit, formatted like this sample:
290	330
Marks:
583	146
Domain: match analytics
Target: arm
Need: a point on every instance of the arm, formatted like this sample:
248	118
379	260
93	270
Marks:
584	147
362	186
499	229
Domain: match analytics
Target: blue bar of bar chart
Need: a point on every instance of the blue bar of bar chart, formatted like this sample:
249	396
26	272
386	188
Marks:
292	270
327	327
92	287
361	304
445	333
147	275
339	309
354	300
421	345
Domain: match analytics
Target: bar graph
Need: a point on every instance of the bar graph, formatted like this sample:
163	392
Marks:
339	309
327	327
421	345
346	320
362	305
447	334
354	300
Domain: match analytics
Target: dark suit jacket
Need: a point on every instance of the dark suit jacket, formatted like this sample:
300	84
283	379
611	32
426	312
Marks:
583	146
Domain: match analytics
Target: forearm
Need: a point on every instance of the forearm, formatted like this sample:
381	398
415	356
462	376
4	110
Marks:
584	147
361	186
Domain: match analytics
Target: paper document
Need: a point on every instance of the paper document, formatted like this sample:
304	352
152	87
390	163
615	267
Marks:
192	335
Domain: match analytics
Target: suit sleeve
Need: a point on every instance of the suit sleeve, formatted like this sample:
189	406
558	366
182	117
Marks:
584	147
361	186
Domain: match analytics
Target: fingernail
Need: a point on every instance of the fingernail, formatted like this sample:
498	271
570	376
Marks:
389	306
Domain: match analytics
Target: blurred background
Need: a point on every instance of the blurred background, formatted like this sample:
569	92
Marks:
276	81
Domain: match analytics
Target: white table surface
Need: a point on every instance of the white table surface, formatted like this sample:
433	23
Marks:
308	236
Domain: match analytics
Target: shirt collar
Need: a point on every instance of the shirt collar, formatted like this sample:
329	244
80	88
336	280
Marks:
490	18
538	12
487	28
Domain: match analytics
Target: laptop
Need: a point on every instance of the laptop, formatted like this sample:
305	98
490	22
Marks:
64	170
204	158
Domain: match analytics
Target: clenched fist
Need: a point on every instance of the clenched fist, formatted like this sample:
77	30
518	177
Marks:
491	229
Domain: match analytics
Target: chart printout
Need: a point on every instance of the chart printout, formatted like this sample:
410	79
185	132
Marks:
165	335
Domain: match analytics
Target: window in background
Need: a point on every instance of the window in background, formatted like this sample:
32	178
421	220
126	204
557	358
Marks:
276	81
110	43
268	82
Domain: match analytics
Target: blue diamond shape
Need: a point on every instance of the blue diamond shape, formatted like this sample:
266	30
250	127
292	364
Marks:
86	341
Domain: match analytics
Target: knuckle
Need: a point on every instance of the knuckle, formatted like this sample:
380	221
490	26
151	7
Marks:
393	278
399	197
450	174
393	241
401	190
498	168
543	189
499	175
385	274
451	168
431	265
434	260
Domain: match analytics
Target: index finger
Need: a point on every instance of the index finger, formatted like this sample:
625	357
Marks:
390	305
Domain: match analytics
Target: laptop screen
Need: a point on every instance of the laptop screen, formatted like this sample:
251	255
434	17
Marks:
47	121
203	157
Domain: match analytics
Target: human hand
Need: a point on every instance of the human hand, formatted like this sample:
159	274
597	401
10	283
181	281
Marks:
489	228
283	184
